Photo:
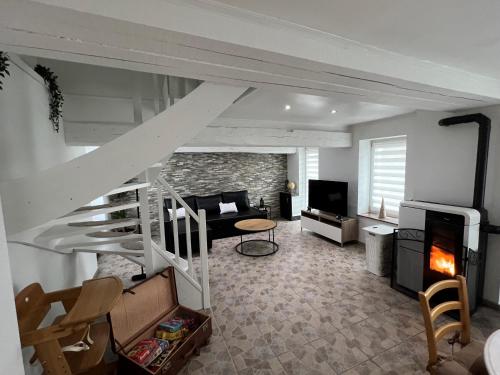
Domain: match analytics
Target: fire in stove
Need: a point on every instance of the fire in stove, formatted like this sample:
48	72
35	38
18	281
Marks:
442	261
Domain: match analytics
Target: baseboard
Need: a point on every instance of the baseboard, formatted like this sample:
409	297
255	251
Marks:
490	304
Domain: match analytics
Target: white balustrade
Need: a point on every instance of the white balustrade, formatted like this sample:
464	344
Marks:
202	280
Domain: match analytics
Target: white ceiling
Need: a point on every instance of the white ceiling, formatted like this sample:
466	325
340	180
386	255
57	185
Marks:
263	108
266	108
101	81
460	33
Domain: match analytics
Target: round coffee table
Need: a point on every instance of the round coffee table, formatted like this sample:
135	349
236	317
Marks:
255	226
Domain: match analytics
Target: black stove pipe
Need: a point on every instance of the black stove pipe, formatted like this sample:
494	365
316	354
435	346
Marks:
483	142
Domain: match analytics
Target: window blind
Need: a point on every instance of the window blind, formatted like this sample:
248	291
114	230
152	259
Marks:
312	167
388	165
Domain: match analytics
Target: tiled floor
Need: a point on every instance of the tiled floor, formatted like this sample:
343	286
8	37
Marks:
311	308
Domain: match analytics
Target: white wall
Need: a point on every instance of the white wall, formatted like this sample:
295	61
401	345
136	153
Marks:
492	204
440	168
10	346
28	144
27	141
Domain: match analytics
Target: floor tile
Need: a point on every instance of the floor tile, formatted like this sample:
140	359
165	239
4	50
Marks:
311	308
365	368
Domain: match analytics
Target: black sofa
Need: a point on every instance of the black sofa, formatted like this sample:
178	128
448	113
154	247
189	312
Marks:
218	225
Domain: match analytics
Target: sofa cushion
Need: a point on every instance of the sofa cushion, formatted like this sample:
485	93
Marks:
190	200
209	203
239	197
227	207
223	224
180	213
240	215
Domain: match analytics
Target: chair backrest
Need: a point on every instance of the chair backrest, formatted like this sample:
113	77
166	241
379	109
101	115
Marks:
430	315
31	307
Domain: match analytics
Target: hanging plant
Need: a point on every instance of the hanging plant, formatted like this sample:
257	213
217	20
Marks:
56	98
4	65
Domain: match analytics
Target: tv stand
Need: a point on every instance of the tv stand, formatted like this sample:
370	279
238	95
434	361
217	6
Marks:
326	224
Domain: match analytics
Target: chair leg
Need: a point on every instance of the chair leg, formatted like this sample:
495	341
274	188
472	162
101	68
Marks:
52	358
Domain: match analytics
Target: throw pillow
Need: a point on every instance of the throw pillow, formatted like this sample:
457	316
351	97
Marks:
227	207
239	197
180	212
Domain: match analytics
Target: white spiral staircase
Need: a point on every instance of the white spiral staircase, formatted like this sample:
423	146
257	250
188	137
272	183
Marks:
50	210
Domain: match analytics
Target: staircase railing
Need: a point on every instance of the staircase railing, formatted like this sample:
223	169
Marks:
200	218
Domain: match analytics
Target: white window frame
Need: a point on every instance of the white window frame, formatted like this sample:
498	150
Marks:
308	151
391	208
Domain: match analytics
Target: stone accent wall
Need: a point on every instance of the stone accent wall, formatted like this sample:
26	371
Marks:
263	175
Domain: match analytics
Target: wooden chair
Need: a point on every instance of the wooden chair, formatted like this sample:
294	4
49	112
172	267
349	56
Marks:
469	359
55	344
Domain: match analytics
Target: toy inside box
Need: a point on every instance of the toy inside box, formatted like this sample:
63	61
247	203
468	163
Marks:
151	332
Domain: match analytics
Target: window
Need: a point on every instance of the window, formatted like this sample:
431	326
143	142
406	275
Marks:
312	167
387	180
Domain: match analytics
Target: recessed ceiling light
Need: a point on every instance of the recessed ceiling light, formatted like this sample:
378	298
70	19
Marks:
333	111
288	107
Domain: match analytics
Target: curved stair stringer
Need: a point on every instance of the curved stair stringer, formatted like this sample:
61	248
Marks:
36	199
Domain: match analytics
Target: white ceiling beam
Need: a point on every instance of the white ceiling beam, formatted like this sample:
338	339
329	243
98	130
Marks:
222	136
209	42
79	133
250	150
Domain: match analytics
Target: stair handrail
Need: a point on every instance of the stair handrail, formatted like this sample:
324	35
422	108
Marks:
178	198
200	219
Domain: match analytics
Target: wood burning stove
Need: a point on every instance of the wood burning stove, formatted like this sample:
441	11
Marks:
440	255
443	247
436	242
444	253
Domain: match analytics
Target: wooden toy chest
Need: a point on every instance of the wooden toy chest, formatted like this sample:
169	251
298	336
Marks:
138	313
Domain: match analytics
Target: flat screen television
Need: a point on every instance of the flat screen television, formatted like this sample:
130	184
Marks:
330	196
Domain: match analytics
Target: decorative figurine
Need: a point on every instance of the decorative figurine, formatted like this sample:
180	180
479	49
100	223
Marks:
381	213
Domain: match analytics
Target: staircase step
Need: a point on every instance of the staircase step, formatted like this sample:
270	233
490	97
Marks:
99	206
84	227
129	187
93	211
132	245
85	241
110	249
108	234
97	223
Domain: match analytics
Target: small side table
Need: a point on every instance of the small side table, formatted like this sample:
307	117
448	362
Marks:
266	208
